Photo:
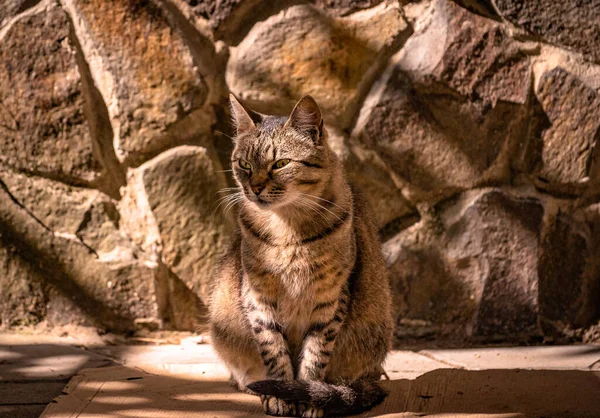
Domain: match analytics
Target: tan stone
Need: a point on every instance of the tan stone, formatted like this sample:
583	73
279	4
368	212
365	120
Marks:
42	126
303	51
79	286
143	69
170	207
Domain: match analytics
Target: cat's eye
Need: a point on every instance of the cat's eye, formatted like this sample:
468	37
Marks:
245	164
281	163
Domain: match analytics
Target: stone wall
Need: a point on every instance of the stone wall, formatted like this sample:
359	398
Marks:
471	126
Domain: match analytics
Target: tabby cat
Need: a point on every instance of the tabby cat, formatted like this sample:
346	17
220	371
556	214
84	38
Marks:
300	307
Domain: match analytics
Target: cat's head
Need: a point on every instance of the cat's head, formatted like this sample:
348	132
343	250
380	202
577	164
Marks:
278	161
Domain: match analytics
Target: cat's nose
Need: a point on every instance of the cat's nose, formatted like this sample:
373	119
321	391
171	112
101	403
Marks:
257	189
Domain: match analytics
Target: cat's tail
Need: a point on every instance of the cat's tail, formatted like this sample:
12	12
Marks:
340	400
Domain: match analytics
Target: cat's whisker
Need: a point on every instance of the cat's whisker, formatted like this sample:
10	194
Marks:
227	199
313	206
320	198
324	208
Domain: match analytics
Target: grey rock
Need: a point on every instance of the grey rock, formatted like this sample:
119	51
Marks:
568	144
473	265
569	270
574	25
451	119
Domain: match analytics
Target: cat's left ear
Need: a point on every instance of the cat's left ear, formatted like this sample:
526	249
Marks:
244	119
306	118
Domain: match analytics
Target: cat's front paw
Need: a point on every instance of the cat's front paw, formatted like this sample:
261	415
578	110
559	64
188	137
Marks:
278	407
310	411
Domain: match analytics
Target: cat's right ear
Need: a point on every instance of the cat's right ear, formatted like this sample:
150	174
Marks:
244	119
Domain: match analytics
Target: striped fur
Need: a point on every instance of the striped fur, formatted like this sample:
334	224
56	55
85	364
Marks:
302	295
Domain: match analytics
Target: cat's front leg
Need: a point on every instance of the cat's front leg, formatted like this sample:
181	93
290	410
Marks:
269	337
326	320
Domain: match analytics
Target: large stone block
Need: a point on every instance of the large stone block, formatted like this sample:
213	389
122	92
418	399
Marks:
42	125
568	152
574	25
22	296
449	119
78	285
366	171
569	270
154	93
230	20
170	207
472	266
303	50
84	214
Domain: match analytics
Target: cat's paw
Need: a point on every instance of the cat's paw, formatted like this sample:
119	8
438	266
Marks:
307	411
278	407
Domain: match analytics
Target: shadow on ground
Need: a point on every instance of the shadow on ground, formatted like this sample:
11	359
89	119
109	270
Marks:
32	376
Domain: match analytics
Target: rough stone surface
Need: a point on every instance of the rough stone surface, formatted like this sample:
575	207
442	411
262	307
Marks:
9	9
177	194
23	298
569	270
370	175
345	7
80	287
78	213
42	126
450	121
568	144
145	73
475	265
574	25
470	126
304	51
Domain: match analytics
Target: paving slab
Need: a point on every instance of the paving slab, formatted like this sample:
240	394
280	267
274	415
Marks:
34	370
572	357
197	360
410	365
123	391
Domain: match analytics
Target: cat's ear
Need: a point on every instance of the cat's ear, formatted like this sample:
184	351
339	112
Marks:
306	118
244	119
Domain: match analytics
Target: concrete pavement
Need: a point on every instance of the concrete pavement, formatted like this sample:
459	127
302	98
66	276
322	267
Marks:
188	380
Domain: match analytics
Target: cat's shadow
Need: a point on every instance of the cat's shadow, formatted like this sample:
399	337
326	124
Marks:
512	393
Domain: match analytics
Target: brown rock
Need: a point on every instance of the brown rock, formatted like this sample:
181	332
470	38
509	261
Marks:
22	299
571	25
569	270
147	76
79	286
58	206
304	51
369	174
450	119
78	213
567	146
475	265
345	7
231	20
9	9
170	206
42	126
